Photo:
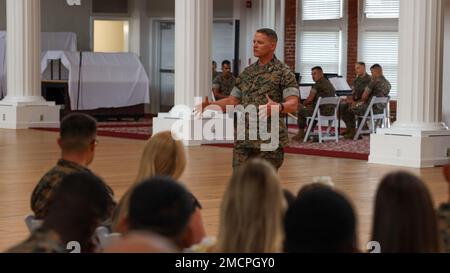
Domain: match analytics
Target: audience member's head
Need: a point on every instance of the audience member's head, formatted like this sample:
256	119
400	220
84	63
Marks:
317	73
162	156
78	138
404	218
80	204
376	70
162	206
226	68
214	66
252	211
320	221
360	68
141	242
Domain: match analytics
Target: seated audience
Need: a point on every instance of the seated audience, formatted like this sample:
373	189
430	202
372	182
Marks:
78	141
80	204
162	156
161	205
404	218
320	221
379	86
360	84
141	243
224	83
444	215
253	207
321	89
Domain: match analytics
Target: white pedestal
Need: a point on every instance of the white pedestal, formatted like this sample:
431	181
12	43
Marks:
416	149
217	129
29	115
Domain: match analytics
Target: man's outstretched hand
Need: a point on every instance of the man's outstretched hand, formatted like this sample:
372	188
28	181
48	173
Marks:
200	108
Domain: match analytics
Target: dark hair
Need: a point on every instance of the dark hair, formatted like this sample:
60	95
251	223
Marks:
361	63
404	217
376	66
79	204
320	221
77	131
269	33
289	197
317	68
214	62
161	205
226	62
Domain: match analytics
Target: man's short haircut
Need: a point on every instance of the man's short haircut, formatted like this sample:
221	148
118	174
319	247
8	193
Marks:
226	62
361	64
317	68
81	197
161	205
269	33
77	131
214	62
376	66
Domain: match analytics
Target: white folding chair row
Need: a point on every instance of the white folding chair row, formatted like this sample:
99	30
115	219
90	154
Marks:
369	115
32	223
317	116
105	237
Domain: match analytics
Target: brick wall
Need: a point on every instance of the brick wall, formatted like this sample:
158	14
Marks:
290	34
352	43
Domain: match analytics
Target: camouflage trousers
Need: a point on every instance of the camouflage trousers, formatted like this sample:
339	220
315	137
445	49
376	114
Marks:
242	155
303	114
348	112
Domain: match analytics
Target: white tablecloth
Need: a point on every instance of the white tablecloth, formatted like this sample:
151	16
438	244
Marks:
64	41
108	80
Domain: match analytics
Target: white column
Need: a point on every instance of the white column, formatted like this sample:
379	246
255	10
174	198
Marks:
193	50
419	138
24	107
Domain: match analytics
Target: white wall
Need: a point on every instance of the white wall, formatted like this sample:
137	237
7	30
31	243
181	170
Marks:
446	72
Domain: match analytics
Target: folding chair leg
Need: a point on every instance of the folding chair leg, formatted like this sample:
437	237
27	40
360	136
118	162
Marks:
320	132
336	131
360	128
309	131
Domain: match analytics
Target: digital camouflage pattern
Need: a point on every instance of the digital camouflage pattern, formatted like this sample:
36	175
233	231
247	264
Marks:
41	197
41	241
276	80
225	85
359	86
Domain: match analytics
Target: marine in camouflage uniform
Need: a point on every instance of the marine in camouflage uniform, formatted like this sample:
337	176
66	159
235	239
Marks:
42	194
277	81
378	87
359	86
444	226
322	88
41	241
225	85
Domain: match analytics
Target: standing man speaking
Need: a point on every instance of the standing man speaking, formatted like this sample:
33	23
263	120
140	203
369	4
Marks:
269	84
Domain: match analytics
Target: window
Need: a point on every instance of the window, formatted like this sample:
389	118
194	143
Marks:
379	37
319	48
321	35
321	10
382	48
382	8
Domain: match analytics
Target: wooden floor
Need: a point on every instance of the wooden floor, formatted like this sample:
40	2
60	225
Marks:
25	155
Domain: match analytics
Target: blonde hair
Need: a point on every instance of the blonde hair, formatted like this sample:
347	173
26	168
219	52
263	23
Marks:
162	156
252	211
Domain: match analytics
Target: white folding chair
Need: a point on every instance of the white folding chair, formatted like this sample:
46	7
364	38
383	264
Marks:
373	118
32	223
317	116
105	237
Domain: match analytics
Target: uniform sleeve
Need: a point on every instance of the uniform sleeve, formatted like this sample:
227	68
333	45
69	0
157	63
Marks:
237	92
289	85
371	87
216	83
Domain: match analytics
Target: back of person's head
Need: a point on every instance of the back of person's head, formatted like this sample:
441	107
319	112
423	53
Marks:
162	156
404	217
79	204
320	221
162	206
252	211
77	132
141	242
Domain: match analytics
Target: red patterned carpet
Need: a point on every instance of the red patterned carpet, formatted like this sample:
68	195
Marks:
344	149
